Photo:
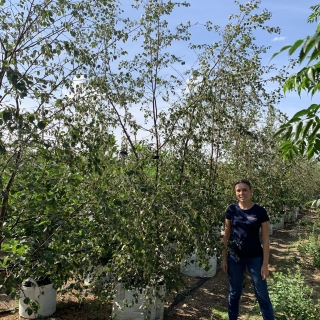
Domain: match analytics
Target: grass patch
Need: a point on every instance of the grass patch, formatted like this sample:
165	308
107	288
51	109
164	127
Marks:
305	223
219	313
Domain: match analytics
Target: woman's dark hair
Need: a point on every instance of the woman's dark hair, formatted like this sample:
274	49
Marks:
245	181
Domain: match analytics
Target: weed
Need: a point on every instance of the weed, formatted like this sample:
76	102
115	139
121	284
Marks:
219	313
291	297
304	223
310	248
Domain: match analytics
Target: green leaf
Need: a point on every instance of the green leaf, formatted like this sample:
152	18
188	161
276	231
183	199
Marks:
309	43
317	145
294	119
314	55
310	152
26	300
285	48
274	55
294	47
306	128
298	130
6	115
29	311
58	102
299	114
315	203
314	108
302	146
280	130
2	149
41	125
288	133
315	131
285	125
31	117
310	74
295	149
281	50
286	146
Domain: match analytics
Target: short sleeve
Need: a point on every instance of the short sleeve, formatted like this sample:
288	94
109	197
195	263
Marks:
228	213
263	215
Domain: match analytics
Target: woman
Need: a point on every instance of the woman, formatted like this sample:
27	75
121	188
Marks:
242	248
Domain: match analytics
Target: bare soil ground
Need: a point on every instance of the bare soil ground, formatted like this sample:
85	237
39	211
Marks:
198	304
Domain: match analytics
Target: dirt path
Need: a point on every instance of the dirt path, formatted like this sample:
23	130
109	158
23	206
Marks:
283	254
198	304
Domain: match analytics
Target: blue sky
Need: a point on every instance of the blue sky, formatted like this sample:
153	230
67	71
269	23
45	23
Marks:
290	15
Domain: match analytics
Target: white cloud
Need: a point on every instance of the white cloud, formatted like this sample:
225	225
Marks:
279	39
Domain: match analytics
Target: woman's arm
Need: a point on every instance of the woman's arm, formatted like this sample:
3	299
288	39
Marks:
266	249
225	240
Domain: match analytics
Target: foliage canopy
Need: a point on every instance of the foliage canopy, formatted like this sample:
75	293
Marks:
301	134
73	196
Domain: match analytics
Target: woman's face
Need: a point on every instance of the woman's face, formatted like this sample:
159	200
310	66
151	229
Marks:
243	192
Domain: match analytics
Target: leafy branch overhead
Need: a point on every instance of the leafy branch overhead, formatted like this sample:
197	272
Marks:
301	134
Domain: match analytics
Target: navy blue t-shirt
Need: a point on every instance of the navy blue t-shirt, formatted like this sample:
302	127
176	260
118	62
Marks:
244	239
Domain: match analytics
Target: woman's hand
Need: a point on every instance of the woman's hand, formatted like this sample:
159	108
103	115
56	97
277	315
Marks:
225	241
264	272
224	265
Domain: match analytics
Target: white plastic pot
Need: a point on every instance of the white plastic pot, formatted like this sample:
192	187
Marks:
190	267
45	296
219	231
289	217
270	229
277	223
135	304
97	276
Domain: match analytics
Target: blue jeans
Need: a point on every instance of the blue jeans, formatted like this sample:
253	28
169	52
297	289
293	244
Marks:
236	270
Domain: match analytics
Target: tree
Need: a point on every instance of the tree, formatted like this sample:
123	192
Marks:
51	145
43	47
301	134
66	180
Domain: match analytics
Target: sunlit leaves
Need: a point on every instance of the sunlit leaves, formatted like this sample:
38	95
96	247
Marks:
304	140
300	133
6	115
281	50
79	196
41	125
315	203
2	148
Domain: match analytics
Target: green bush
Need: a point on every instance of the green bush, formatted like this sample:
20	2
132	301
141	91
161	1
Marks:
310	248
292	297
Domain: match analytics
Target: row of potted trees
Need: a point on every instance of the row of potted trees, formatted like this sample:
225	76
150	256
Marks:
39	297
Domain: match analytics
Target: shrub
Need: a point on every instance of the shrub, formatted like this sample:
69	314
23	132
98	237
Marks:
310	248
292	297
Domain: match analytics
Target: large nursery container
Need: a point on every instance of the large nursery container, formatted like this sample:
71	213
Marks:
97	276
44	295
277	223
191	267
135	304
270	229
